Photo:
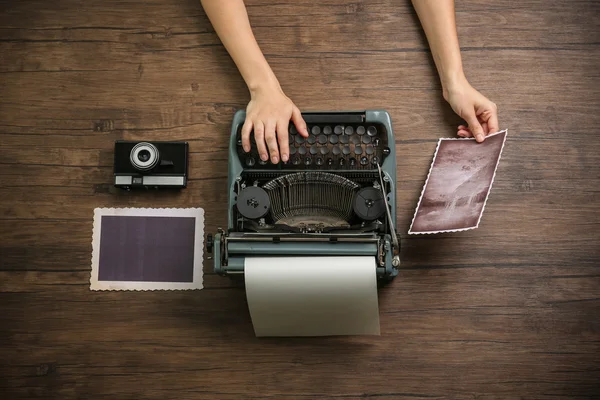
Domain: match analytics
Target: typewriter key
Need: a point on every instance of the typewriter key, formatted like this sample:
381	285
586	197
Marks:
370	150
293	129
346	150
376	142
307	161
316	130
349	130
338	130
336	150
327	130
364	160
302	151
311	139
369	204
322	139
344	139
324	150
342	162
250	161
375	160
360	130
366	139
314	149
296	161
333	139
352	162
253	202
358	149
355	139
262	162
292	150
371	131
330	161
319	161
299	139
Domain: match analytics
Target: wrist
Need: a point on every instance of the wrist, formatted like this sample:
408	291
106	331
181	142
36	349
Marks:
453	83
263	84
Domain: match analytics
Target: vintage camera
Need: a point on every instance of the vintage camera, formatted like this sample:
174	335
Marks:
151	165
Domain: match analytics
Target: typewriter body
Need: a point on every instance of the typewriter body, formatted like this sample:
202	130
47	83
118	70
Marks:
336	195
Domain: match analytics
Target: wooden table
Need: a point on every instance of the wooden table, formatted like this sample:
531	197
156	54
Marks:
510	310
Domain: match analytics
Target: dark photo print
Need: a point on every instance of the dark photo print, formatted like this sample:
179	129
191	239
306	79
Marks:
458	185
147	249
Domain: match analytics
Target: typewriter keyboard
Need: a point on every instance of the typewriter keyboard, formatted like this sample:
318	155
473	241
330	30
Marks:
328	147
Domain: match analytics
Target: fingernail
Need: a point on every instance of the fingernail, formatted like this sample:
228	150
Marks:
284	157
246	149
480	137
264	157
275	160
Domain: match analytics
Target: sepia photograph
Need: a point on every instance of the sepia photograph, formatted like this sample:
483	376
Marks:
458	185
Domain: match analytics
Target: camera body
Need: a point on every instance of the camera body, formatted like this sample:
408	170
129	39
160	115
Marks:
150	165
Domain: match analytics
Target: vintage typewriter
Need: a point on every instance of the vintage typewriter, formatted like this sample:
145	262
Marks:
336	195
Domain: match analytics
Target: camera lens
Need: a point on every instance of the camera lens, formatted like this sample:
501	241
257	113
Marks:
144	156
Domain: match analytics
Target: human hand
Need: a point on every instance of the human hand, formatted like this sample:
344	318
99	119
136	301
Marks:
268	114
480	114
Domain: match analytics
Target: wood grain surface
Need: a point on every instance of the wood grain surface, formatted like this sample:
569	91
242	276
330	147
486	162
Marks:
507	311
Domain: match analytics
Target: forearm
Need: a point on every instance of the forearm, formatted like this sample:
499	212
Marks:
230	20
439	23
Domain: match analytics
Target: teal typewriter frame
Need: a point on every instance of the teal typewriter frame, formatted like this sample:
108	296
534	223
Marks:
230	248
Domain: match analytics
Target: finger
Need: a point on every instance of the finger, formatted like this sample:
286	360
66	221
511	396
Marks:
259	138
271	140
464	133
493	120
486	130
299	122
283	138
475	126
246	130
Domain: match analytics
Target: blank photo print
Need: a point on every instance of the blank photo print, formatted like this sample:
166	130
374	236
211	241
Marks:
458	185
147	249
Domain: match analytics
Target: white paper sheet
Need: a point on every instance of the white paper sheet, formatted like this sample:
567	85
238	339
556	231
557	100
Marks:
312	296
